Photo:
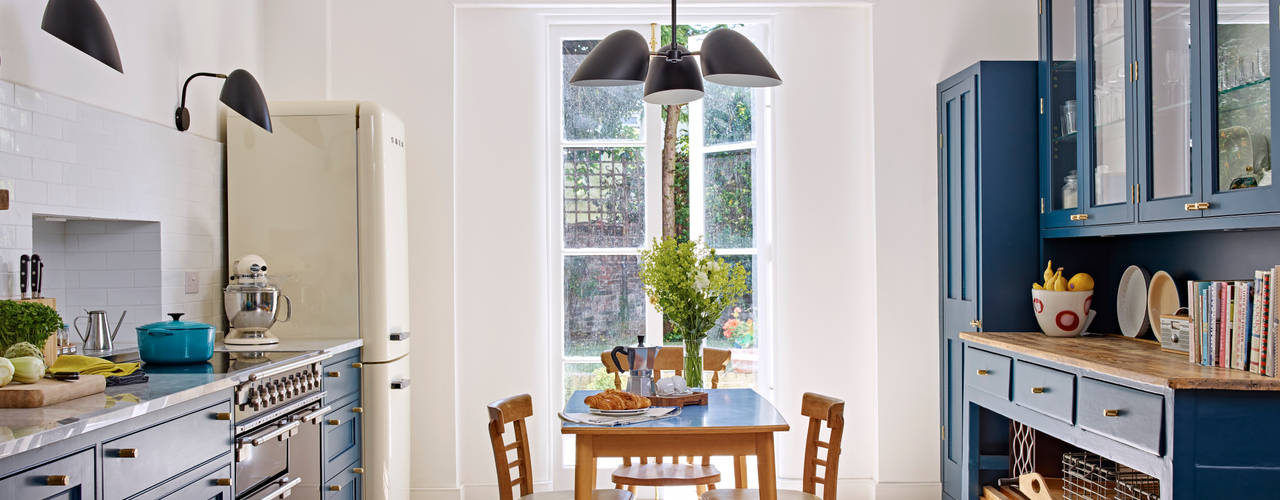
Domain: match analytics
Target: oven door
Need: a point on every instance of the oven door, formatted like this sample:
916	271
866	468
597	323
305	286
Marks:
262	458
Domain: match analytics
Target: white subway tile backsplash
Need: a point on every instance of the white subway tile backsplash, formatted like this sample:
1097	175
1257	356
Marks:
6	93
104	242
15	167
133	260
105	279
46	171
46	126
86	297
61	195
86	261
15	119
28	99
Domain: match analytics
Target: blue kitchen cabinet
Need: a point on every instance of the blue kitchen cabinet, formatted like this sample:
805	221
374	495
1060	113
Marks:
341	431
1059	115
987	222
70	477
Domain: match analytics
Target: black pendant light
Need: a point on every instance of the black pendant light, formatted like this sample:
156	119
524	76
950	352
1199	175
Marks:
82	25
672	76
240	92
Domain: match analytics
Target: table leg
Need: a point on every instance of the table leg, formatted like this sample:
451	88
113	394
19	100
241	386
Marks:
764	464
739	472
584	475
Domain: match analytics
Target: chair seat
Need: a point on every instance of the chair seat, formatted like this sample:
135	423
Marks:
610	494
742	494
666	475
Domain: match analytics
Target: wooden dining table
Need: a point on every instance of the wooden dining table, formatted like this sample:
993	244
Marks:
734	422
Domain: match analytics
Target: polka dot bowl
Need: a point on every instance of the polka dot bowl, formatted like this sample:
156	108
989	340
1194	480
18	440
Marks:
1062	314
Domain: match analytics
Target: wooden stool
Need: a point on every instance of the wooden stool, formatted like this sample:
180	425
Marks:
819	409
514	410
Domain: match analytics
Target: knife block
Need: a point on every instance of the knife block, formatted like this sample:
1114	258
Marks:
50	349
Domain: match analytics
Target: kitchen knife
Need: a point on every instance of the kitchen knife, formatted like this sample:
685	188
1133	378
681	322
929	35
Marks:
37	275
22	274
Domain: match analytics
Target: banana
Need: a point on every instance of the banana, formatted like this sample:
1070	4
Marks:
1059	283
1048	275
1036	286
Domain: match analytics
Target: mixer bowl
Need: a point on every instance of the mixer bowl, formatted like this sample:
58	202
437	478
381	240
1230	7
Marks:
254	308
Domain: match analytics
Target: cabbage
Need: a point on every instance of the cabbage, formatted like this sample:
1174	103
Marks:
23	349
27	369
6	371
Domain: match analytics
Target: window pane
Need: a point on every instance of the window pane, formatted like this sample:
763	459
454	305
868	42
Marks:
588	376
736	330
603	303
603	197
597	112
728	199
726	114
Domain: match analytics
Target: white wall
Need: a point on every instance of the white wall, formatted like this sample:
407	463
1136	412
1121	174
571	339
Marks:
918	43
161	43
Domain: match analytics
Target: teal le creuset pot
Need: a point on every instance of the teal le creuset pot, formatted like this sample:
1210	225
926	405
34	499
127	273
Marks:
175	341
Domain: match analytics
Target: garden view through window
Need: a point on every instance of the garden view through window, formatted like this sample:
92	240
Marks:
610	150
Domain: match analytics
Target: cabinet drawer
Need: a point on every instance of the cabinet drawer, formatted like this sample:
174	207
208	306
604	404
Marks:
341	438
211	481
341	376
1127	415
1045	390
987	371
344	486
155	454
67	477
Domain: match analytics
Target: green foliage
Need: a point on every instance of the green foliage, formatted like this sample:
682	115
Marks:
27	322
687	283
597	112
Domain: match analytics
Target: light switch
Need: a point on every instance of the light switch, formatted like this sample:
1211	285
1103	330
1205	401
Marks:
193	283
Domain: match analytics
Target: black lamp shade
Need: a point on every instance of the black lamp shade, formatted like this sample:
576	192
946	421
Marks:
82	25
242	94
620	59
673	82
729	58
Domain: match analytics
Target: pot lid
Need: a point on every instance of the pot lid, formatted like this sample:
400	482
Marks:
176	324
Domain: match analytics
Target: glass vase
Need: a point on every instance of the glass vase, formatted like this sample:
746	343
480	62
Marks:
693	363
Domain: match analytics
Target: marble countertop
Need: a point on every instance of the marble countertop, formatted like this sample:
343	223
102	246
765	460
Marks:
23	429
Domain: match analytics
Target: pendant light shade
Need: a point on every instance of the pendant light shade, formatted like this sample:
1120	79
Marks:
620	59
729	58
242	94
673	82
82	25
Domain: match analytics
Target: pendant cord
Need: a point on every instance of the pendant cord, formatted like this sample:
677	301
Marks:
674	41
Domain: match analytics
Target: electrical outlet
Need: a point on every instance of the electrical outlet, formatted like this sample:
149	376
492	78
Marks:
193	283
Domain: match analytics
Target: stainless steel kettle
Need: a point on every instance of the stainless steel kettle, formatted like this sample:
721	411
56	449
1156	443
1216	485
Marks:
97	336
641	361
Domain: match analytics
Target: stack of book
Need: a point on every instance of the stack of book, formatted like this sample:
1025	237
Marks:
1232	325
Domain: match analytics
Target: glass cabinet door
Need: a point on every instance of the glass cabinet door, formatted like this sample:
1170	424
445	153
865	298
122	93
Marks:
1060	114
1164	154
1107	185
1238	63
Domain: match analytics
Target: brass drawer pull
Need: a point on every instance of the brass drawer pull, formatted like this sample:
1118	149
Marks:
984	372
1037	390
335	487
1192	207
335	374
334	421
222	481
357	410
1111	413
1079	217
358	470
975	324
127	453
222	415
357	365
57	480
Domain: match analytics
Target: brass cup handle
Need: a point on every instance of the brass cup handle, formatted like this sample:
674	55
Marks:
222	481
127	453
357	365
334	421
1111	413
222	415
358	470
1037	390
57	480
357	410
334	374
335	487
984	372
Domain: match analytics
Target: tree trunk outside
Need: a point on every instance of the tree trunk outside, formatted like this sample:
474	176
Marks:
669	171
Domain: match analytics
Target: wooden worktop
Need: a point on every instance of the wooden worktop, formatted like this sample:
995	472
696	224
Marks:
1125	358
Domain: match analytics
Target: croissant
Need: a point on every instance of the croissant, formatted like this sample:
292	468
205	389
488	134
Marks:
612	399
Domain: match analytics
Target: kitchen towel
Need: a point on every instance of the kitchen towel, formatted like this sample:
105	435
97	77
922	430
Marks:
89	365
650	414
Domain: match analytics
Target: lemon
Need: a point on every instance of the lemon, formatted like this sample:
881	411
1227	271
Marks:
1059	283
1081	282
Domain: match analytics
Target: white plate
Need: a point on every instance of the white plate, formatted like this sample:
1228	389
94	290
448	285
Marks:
1162	298
1131	302
616	413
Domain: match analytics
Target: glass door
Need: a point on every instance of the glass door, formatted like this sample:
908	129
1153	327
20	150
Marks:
1107	183
1165	160
1059	115
1238	65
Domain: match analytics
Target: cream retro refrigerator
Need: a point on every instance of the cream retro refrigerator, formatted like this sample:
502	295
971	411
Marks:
323	200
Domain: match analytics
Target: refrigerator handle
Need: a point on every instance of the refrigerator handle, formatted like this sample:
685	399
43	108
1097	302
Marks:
397	336
400	384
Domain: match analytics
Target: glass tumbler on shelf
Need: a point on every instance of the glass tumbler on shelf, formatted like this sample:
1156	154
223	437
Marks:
1070	191
1069	117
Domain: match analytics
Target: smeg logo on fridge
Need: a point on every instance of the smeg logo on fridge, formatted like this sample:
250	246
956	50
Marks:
397	141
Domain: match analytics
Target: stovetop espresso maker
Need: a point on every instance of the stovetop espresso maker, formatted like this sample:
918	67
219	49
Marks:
641	361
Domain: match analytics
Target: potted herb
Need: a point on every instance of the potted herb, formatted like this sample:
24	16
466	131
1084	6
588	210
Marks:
689	285
31	322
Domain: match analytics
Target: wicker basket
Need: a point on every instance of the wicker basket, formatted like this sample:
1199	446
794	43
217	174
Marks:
1087	476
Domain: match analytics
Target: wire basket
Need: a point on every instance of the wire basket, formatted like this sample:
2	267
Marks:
1086	476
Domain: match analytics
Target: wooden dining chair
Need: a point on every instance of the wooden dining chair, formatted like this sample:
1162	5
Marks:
819	409
668	471
514	410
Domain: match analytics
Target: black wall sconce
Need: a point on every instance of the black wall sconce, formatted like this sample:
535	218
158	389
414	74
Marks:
82	25
240	92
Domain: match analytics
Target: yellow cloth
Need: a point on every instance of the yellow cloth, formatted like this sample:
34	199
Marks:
89	365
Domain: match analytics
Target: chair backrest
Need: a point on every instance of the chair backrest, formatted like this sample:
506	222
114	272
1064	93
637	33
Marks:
821	409
672	359
512	410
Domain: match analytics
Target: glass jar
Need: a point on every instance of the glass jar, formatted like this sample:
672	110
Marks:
1070	191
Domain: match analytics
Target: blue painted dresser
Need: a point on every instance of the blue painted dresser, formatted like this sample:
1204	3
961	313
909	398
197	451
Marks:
340	441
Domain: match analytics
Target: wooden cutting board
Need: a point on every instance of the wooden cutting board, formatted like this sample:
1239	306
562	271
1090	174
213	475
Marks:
47	391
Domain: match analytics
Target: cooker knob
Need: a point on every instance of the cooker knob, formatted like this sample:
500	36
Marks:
298	386
273	395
